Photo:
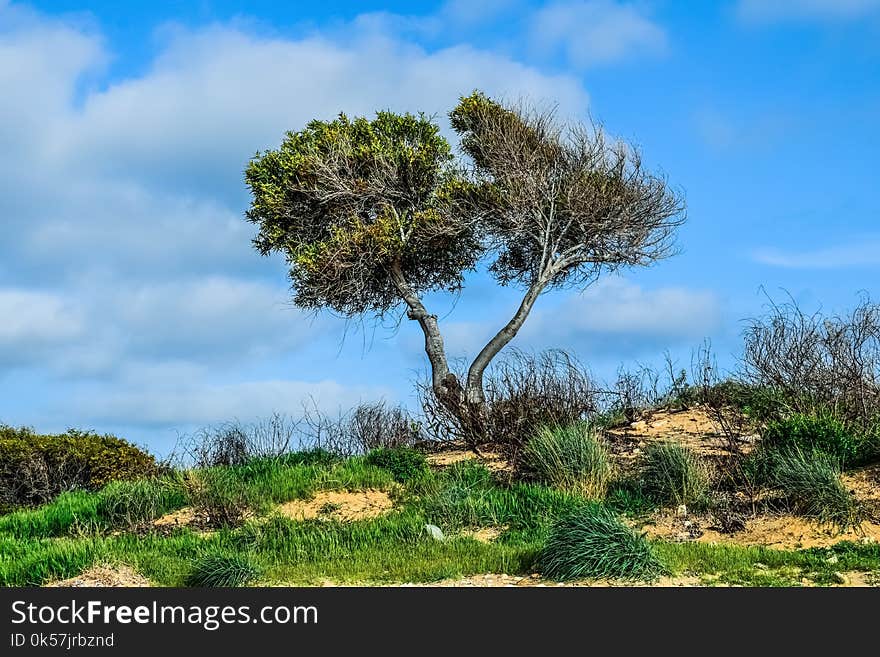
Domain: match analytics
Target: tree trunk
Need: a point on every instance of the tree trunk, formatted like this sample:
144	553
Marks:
474	393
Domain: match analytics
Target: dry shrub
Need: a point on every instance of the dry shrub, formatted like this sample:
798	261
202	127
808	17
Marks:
524	392
818	363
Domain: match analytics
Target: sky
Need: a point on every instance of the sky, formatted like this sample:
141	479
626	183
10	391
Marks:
131	298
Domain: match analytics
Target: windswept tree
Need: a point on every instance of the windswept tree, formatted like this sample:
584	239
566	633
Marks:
373	214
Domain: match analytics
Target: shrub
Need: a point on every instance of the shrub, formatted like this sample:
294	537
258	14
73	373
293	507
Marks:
817	363
811	483
405	464
523	392
234	443
822	433
572	458
35	468
673	474
223	570
130	504
591	543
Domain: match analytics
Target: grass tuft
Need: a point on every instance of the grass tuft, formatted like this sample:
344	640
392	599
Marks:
592	543
219	570
673	474
571	458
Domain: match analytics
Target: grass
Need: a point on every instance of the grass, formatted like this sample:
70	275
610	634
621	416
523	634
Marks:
542	527
572	458
673	474
811	483
223	570
592	543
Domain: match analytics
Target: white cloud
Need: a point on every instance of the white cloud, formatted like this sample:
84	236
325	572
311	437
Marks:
773	11
201	402
32	323
862	254
616	307
597	31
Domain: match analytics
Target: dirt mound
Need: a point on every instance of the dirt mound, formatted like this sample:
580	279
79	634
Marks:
339	505
104	576
782	532
693	428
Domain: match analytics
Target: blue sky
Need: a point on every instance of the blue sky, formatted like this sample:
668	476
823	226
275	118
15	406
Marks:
132	302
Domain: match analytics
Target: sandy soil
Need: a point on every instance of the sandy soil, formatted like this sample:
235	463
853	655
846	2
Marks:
784	532
104	576
492	460
694	428
339	505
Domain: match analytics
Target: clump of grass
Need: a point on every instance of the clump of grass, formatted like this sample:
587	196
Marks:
811	482
673	474
223	570
219	496
592	543
404	463
572	458
130	504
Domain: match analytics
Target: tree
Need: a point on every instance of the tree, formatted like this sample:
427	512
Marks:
371	215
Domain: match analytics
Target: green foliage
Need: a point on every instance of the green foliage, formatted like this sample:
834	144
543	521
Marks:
219	496
34	468
673	474
572	458
130	504
466	495
346	199
220	570
811	483
404	463
822	433
591	543
74	512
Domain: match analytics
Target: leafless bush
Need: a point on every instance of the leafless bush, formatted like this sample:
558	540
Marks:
817	363
523	392
234	443
718	396
368	426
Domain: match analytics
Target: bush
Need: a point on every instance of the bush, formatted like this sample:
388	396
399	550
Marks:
235	443
591	543
35	468
523	393
223	570
405	464
808	433
130	504
811	483
817	363
673	474
572	458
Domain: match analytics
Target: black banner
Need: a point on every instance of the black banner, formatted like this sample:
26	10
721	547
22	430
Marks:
414	620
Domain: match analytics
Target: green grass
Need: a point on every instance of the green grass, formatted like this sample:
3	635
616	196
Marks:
811	482
673	474
592	543
572	458
78	530
223	570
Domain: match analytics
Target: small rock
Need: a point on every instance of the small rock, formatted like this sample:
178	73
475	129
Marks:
681	511
832	559
840	578
688	524
435	532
